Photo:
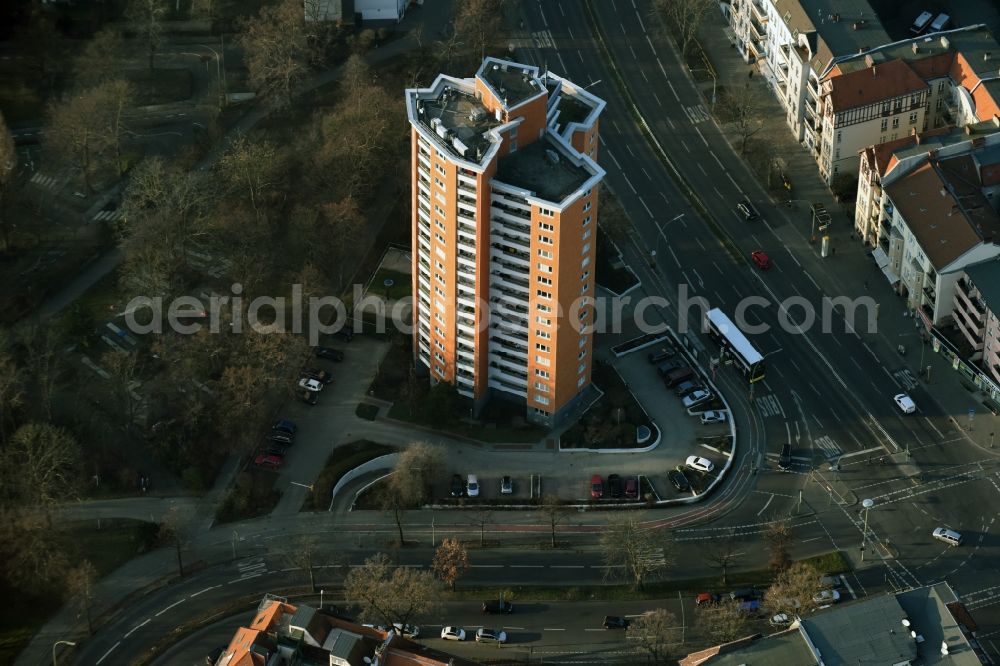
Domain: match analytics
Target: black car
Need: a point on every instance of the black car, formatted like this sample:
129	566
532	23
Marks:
748	594
747	209
614	485
284	425
615	622
281	437
684	388
344	335
660	355
309	397
497	607
322	376
457	486
679	481
667	367
275	450
329	353
785	459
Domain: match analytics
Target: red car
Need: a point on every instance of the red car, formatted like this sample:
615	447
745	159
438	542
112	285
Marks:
631	487
268	461
761	259
596	487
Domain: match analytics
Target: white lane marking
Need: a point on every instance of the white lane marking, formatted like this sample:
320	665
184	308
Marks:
205	590
716	158
176	603
792	256
717	191
645	206
629	149
676	260
676	96
766	504
105	655
567	566
646	172
702	136
933	426
550	629
613	159
685	145
236	580
811	280
138	626
570	32
658	102
527	566
702	169
631	186
865	452
486	566
733	181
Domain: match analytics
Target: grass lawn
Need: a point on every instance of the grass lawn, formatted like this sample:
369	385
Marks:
609	274
160	86
341	460
399	289
485	431
110	547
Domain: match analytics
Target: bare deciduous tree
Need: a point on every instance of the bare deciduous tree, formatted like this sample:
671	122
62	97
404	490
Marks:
8	169
276	47
554	512
483	517
173	531
80	581
407	486
722	622
632	551
253	169
43	465
779	537
721	554
145	18
305	554
11	386
123	368
101	59
793	589
657	633
391	594
478	23
683	17
612	217
451	562
742	105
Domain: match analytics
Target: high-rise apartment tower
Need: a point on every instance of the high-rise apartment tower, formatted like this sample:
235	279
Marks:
505	186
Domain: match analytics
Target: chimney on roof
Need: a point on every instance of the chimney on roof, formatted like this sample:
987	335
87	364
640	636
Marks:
945	42
944	192
986	55
915	47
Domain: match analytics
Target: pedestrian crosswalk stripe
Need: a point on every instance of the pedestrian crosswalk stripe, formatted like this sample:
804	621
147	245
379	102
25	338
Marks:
905	378
654	558
252	567
696	113
828	446
768	405
42	180
107	216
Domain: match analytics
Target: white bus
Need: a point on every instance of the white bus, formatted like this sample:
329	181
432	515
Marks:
735	345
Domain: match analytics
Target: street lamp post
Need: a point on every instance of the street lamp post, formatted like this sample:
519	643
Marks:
321	599
57	644
867	504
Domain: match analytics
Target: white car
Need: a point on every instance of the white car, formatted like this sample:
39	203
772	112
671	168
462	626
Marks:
406	630
713	416
780	620
313	385
905	403
485	635
696	398
699	464
453	634
472	486
827	597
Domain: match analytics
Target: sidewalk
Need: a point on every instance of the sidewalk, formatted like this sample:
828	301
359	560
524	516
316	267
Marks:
849	271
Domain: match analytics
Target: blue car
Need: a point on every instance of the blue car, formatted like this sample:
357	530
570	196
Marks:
284	425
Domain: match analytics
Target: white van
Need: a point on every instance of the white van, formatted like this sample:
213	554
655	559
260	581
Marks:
940	23
950	537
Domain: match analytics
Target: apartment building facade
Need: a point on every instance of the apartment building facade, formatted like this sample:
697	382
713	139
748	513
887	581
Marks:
505	200
928	204
977	315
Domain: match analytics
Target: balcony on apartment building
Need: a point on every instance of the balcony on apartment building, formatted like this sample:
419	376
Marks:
969	297
757	31
758	10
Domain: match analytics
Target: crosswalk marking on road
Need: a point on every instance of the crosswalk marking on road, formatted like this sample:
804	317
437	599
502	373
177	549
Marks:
768	405
107	216
696	113
828	446
252	567
905	378
656	558
42	180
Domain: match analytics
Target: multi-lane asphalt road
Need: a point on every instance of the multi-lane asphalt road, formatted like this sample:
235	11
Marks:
827	391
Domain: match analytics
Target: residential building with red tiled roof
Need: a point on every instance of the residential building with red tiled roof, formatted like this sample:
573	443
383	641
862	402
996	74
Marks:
927	204
284	634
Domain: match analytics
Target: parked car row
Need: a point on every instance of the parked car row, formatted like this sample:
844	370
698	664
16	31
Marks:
469	486
281	436
615	488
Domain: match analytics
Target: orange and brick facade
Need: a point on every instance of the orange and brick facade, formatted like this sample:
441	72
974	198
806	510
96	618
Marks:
505	198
